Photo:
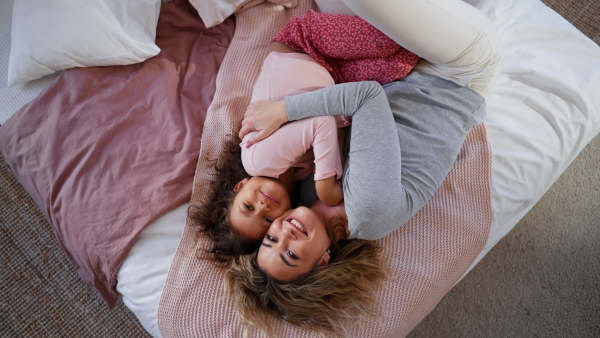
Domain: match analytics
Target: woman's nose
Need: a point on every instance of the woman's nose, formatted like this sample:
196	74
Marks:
288	231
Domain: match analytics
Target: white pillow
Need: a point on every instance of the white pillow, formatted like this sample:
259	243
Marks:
334	6
51	36
214	12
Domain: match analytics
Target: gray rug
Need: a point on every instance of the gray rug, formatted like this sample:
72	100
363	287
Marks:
41	293
541	280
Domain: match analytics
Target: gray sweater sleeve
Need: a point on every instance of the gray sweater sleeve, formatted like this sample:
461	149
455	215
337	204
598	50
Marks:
373	192
342	99
403	141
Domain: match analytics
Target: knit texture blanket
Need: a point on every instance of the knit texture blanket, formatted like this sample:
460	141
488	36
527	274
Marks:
427	256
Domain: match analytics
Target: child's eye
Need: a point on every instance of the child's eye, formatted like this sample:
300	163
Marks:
268	219
247	206
292	255
271	238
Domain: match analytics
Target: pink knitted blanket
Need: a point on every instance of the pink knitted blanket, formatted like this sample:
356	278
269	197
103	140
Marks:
428	255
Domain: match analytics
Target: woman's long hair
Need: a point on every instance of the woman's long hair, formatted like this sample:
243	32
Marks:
212	217
323	300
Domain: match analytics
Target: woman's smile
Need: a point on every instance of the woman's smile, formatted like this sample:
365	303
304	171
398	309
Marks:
295	244
296	223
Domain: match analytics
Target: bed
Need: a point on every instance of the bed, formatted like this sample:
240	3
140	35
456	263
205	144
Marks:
542	113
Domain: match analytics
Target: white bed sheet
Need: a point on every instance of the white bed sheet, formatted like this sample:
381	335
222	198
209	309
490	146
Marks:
141	278
543	111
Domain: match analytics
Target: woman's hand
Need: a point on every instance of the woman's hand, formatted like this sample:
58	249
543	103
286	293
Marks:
265	117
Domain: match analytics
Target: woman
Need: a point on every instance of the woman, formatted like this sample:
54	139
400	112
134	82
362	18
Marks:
413	140
244	201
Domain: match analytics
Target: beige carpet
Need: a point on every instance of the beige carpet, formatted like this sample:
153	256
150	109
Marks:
541	280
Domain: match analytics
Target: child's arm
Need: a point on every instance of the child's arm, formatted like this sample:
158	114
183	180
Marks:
328	162
329	191
283	149
342	133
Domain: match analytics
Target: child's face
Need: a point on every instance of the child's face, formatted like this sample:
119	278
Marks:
259	200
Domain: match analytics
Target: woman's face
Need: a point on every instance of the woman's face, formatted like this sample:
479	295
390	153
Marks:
295	243
259	200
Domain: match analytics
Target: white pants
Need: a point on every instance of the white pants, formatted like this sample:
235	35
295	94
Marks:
456	41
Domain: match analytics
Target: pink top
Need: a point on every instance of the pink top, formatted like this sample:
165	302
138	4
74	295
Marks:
288	74
350	48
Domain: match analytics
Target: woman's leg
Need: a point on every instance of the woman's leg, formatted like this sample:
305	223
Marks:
457	41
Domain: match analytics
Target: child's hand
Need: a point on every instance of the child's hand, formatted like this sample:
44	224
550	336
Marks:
329	192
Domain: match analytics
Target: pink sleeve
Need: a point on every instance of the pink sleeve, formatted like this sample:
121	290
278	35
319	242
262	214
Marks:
283	149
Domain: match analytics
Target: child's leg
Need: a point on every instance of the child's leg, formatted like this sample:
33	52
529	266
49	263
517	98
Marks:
349	47
458	42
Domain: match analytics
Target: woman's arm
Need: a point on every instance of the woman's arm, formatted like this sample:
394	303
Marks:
376	202
348	99
375	198
386	185
265	117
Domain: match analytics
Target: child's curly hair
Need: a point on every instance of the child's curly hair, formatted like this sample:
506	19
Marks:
212	218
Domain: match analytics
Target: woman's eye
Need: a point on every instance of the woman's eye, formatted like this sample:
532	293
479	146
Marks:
268	219
247	206
292	255
271	238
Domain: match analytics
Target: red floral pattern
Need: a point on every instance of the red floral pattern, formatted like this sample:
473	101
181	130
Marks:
349	47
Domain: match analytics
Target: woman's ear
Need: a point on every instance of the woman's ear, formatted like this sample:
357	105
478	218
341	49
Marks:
240	184
325	259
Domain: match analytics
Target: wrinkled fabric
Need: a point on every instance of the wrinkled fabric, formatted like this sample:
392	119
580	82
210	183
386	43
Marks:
105	151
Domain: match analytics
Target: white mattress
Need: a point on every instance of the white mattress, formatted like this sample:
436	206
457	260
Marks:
542	112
